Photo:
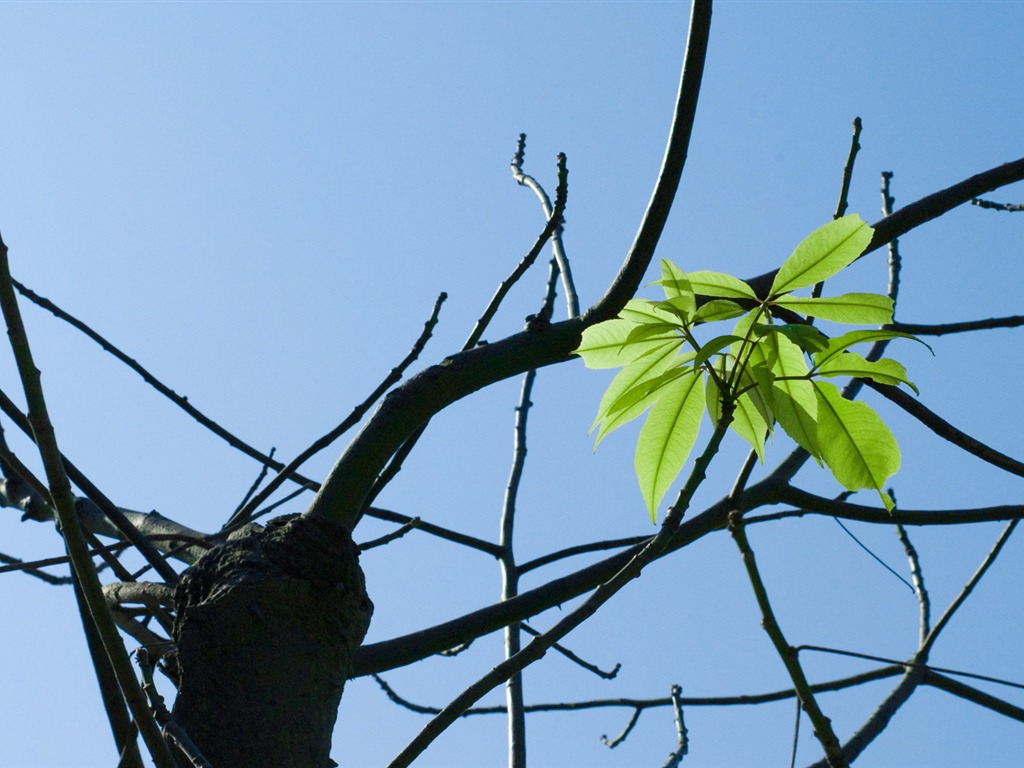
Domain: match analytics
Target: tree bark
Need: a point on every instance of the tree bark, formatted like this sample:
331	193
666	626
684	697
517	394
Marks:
266	627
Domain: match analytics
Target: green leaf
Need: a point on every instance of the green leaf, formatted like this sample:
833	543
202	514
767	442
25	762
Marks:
644	369
705	283
861	308
793	400
884	371
713	346
667	438
607	344
807	337
647	391
840	344
748	423
646	311
855	444
719	309
822	253
677	288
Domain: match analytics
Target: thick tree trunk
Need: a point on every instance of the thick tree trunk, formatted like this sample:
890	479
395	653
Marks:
266	627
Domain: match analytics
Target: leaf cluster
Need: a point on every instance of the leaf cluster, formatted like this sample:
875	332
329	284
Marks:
762	374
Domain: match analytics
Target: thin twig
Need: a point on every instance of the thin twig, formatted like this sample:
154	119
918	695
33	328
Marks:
581	549
917	577
613	743
895	263
912	664
993	206
939	329
572	302
388	538
605	675
844	189
756	699
675	759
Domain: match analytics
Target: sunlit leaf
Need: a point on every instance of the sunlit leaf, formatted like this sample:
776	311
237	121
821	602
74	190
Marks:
793	400
748	423
884	371
667	438
807	337
712	347
651	365
607	345
705	283
861	308
719	309
646	311
855	444
677	288
822	253
840	344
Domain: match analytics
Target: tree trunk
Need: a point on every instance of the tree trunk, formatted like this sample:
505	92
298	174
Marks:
266	626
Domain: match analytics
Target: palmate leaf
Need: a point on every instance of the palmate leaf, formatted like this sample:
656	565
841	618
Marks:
822	254
855	443
706	283
859	308
667	438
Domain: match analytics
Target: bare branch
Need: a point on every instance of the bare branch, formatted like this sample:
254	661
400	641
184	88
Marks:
917	577
974	695
939	329
992	206
572	302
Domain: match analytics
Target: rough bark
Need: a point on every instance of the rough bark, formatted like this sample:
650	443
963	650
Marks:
266	626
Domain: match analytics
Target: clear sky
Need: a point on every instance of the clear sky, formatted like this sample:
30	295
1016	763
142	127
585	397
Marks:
261	201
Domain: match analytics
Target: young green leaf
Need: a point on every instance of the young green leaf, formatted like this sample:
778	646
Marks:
855	443
646	311
667	438
712	347
643	369
705	283
677	288
608	345
822	253
638	399
807	337
860	308
748	423
884	371
719	309
793	399
840	344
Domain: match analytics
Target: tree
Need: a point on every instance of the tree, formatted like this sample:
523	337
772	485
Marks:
541	344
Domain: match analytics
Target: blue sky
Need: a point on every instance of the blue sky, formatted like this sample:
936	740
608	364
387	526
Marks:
261	202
